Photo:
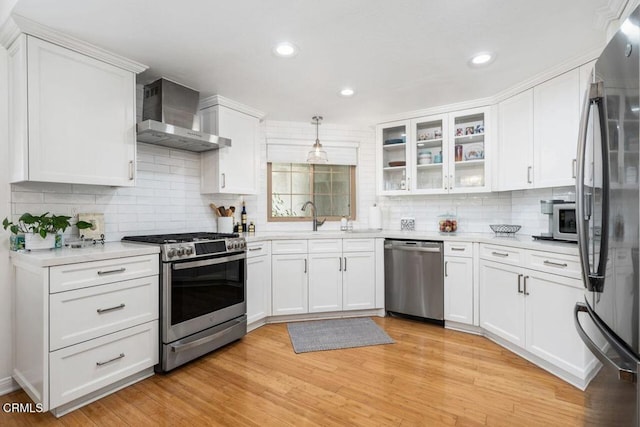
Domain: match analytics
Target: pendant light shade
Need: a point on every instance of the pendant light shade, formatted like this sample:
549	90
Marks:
317	154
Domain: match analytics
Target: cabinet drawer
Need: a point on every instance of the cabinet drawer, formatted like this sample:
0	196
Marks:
503	254
255	249
358	245
565	265
102	309
84	368
81	275
288	247
462	249
325	246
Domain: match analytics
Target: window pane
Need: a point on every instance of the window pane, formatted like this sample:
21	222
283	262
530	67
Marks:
281	182
281	205
340	184
322	183
340	205
322	168
300	183
281	167
297	202
323	203
300	167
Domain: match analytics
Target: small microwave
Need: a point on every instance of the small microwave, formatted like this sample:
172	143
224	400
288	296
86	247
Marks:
565	222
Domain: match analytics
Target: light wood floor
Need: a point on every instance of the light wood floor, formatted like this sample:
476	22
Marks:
431	376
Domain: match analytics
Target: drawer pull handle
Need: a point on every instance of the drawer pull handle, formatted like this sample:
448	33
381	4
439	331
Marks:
110	360
494	253
106	310
457	249
526	292
119	270
254	249
556	264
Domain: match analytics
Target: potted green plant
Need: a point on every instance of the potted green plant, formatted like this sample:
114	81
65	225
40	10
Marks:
40	231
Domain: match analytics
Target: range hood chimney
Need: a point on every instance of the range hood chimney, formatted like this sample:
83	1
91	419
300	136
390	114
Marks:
170	118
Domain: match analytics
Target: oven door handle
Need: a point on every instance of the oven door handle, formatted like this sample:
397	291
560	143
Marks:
206	262
177	348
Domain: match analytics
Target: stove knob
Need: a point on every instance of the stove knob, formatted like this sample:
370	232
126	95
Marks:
180	251
171	253
229	246
236	245
188	250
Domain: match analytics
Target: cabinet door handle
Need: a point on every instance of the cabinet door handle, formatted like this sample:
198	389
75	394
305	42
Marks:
408	183
451	182
110	360
130	170
555	264
573	168
305	266
340	261
224	180
529	169
457	249
519	283
106	310
525	285
254	249
119	270
502	254
446	271
345	264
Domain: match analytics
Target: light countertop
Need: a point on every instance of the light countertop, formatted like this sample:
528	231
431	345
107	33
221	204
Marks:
518	240
97	252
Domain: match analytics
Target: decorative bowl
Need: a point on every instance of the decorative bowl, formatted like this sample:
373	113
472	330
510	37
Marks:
505	228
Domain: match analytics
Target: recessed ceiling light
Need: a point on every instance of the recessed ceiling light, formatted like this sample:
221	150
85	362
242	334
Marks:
347	92
285	50
482	58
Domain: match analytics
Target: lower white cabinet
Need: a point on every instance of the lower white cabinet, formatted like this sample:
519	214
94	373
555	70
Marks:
289	284
258	281
458	282
73	346
323	275
533	309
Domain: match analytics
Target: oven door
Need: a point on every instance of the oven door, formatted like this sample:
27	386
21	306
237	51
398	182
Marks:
201	294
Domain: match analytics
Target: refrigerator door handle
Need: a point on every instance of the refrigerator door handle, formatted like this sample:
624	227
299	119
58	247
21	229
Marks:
594	281
624	374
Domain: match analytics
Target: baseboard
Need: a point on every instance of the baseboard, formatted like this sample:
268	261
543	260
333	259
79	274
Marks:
463	327
8	385
328	315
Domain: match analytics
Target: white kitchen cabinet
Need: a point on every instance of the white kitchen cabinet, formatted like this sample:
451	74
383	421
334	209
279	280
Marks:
72	117
458	282
78	339
258	281
515	142
289	284
235	169
556	121
439	154
325	282
530	304
358	280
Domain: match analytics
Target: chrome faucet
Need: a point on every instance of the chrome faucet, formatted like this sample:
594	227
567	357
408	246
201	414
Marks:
316	223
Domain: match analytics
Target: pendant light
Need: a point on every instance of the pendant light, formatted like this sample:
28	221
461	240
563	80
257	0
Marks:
317	154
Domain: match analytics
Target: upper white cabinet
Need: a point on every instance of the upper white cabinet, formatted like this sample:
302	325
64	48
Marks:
439	154
72	116
538	134
515	146
556	120
235	169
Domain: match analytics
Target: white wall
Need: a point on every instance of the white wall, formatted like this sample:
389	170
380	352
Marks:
6	306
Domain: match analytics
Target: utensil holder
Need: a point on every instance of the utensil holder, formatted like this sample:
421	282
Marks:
225	224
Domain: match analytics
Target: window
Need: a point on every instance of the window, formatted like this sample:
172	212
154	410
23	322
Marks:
330	187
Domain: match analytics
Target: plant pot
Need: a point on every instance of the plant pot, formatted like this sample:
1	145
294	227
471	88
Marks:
35	241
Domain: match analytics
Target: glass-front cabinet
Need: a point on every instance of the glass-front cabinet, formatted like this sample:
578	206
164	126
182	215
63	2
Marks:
436	154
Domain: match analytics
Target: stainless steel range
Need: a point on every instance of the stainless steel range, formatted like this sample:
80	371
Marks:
202	293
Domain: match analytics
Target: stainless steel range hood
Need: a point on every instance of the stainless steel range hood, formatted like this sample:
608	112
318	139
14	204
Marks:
170	119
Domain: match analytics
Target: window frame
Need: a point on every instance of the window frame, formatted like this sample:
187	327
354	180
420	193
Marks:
352	198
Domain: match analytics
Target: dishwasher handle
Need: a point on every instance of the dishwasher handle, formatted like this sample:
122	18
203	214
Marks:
413	248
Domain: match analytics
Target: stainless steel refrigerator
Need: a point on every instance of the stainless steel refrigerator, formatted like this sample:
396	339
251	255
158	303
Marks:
608	206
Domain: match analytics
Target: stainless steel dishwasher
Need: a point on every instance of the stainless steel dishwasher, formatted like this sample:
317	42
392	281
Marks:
414	278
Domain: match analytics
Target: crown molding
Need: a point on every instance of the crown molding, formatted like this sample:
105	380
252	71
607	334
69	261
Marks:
605	15
230	103
16	24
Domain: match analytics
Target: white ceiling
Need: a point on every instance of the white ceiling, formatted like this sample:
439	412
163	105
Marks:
399	55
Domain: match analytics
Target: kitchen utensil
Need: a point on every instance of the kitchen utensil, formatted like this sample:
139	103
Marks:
228	212
222	210
505	229
215	209
233	209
